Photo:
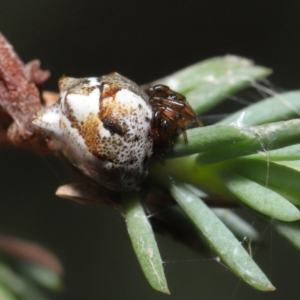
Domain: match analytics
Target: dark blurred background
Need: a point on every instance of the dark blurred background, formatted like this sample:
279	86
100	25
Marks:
143	40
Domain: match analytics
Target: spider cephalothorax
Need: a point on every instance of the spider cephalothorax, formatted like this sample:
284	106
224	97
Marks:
171	115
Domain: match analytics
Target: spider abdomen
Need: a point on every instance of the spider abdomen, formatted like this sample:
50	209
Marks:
105	126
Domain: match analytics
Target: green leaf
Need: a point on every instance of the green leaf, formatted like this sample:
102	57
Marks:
255	139
278	108
283	154
236	224
21	287
40	274
6	294
223	142
208	83
290	231
209	138
143	242
260	198
222	241
281	179
239	227
11	279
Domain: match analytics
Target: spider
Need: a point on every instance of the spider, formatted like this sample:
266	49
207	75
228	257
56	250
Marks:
171	115
110	127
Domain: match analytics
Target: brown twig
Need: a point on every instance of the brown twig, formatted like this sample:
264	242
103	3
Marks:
19	98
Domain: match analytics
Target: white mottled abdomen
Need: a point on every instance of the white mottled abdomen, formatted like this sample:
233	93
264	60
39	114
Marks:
105	126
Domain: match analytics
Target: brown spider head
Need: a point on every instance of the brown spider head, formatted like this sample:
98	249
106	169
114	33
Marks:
171	116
